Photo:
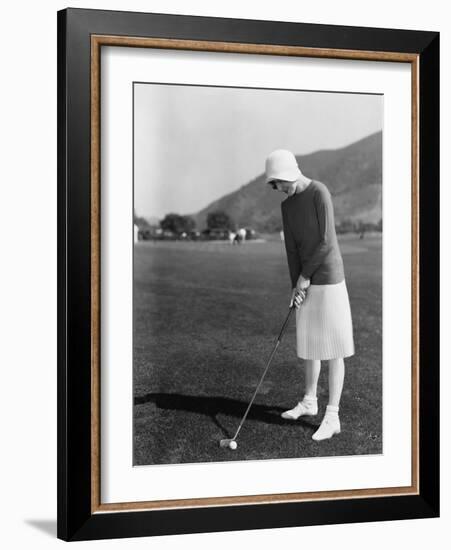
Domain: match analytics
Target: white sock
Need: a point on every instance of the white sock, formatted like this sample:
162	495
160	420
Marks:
309	400
332	410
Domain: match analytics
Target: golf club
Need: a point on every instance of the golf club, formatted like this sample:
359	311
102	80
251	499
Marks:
231	443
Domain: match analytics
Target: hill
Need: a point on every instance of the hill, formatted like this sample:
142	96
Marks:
353	175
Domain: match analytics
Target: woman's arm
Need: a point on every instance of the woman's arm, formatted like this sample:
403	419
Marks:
294	261
325	213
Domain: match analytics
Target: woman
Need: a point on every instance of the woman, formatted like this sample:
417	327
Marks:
323	323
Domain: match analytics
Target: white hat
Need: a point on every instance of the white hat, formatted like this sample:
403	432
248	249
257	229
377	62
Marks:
282	165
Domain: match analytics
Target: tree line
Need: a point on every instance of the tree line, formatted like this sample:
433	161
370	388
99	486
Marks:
218	219
179	224
358	226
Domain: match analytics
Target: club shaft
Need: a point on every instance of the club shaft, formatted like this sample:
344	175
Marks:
276	345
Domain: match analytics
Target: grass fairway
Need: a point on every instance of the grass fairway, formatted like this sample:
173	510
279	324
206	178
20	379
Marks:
206	316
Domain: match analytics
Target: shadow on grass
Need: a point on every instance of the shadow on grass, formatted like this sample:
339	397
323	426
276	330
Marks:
214	406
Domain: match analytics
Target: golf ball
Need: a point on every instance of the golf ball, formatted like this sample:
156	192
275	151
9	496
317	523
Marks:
233	445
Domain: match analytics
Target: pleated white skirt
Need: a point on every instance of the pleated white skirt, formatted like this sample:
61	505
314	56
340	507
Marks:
324	323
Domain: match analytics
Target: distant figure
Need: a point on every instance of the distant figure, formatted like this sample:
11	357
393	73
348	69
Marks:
237	238
323	314
232	236
242	234
135	233
282	236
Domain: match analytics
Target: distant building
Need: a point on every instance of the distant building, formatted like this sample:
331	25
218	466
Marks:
148	232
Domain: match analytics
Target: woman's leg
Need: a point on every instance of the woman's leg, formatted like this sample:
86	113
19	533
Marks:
309	404
331	422
312	370
336	378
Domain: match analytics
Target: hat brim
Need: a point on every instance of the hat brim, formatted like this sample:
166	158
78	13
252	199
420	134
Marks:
290	176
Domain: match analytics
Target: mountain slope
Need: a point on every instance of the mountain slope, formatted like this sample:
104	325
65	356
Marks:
353	175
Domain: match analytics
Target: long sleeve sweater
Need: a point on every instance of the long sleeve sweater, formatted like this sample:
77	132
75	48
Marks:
310	239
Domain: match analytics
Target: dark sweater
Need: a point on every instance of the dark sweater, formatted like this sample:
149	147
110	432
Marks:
310	238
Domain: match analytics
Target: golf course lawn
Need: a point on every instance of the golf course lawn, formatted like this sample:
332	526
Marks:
206	316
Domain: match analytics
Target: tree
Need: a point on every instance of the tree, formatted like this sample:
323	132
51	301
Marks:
190	224
177	223
345	226
140	222
219	219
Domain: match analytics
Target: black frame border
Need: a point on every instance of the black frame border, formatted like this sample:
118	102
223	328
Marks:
75	520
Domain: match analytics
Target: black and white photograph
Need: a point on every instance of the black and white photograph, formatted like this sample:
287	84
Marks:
225	258
257	273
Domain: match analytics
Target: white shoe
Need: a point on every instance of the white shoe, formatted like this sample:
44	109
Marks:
303	408
329	427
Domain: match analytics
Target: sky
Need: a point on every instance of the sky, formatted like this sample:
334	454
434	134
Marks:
194	144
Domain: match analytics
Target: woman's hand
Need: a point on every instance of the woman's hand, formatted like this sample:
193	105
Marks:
302	283
297	297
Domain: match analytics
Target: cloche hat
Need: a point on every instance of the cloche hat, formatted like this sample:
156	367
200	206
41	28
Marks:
281	165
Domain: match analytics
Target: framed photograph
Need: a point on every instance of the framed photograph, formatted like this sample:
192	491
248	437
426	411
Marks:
248	251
